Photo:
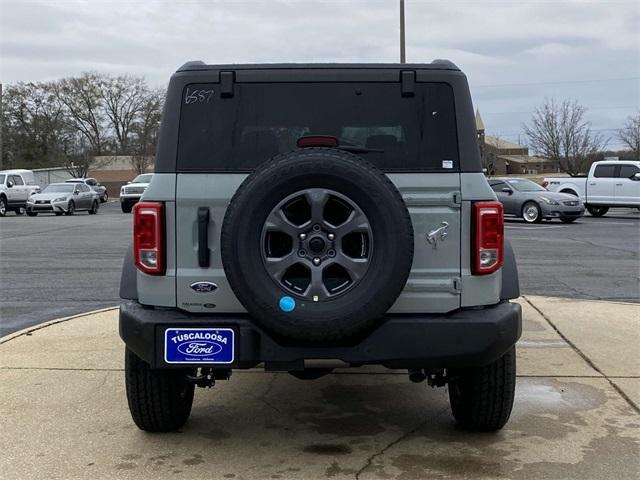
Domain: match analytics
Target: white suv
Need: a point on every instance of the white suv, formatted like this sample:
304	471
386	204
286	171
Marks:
132	191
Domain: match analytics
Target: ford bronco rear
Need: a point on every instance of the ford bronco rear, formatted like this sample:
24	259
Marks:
307	217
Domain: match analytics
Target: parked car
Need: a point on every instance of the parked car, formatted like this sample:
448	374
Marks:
66	198
609	184
523	198
358	230
15	188
131	193
94	185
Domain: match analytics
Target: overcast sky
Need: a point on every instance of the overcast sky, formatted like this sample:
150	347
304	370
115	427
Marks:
514	53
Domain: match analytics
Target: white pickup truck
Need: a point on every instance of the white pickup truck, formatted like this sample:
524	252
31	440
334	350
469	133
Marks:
16	186
614	183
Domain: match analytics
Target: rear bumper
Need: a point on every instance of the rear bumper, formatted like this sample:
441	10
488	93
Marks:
463	338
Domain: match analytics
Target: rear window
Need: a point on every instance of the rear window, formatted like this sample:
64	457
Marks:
604	171
416	133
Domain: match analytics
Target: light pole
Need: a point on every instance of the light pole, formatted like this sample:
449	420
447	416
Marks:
402	53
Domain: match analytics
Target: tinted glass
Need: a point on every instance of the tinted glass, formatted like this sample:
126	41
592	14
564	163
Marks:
58	188
2	177
91	181
17	180
497	187
261	120
627	170
523	185
143	178
605	171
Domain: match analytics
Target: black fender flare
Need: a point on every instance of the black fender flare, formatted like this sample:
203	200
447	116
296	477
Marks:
510	283
129	278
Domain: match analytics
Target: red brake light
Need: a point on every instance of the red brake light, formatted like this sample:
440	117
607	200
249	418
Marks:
317	141
488	242
148	237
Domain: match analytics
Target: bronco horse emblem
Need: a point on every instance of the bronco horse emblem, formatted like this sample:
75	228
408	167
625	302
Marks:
439	233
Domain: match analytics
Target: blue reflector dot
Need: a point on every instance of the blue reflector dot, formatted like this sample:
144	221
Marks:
287	304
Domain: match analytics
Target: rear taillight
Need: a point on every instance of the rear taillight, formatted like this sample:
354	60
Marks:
148	237
488	240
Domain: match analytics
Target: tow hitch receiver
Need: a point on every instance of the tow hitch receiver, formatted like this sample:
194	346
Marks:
206	377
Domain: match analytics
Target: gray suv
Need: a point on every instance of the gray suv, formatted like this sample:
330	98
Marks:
308	217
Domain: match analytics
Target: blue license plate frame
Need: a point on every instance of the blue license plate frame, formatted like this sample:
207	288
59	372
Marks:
199	345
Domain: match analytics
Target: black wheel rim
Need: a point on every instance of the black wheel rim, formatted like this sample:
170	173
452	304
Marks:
317	244
3	207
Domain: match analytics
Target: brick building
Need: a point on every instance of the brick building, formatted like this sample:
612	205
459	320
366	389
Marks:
501	157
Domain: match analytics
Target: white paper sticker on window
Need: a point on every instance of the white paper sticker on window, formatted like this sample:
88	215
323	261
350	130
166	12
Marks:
447	163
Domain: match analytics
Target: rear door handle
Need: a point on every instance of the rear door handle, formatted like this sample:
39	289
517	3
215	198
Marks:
203	237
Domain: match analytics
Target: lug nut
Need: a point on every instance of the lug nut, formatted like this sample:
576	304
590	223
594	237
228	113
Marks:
316	261
331	236
303	236
331	253
302	253
316	227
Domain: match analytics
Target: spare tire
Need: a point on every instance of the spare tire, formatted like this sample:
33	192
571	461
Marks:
317	244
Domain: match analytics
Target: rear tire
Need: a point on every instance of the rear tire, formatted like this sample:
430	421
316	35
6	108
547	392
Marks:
94	208
58	214
126	207
597	211
3	206
104	197
159	400
71	208
482	397
20	211
531	212
32	214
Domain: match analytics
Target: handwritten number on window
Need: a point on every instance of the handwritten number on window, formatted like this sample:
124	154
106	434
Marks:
197	96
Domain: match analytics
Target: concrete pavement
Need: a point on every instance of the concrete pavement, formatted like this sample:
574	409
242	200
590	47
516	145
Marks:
63	412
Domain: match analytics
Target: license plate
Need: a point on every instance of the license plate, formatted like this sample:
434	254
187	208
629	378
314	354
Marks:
199	345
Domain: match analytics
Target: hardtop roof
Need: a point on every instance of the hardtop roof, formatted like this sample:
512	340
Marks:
439	64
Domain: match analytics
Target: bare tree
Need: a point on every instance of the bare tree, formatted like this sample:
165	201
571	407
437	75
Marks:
34	128
146	131
124	99
84	108
560	133
630	135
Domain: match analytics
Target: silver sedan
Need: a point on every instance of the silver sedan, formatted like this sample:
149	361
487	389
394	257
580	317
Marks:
521	197
66	198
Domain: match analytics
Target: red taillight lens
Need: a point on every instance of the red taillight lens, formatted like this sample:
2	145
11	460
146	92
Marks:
148	237
488	242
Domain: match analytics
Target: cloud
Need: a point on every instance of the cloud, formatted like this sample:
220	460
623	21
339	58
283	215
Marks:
496	43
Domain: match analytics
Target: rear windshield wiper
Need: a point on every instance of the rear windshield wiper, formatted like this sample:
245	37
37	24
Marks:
359	149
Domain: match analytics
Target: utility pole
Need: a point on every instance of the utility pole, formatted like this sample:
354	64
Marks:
402	51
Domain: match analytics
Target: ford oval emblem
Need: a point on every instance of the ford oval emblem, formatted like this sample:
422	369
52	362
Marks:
204	287
200	348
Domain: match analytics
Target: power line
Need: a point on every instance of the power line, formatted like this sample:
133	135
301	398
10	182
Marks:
557	82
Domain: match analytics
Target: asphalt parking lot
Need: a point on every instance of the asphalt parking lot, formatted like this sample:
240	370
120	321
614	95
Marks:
58	266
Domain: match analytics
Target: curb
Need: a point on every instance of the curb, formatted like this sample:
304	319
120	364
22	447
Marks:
28	330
